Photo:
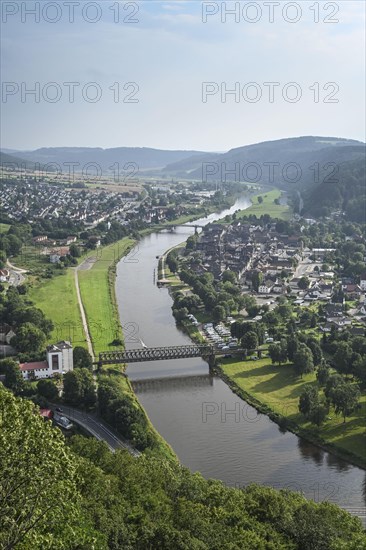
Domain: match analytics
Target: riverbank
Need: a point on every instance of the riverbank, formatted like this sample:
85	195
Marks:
275	391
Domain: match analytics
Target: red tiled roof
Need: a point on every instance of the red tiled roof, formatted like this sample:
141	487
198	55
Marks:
38	365
46	413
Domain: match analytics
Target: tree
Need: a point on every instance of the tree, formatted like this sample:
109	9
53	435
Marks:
229	276
32	512
278	352
219	313
359	369
342	357
257	279
345	397
284	311
249	341
318	413
292	346
180	313
13	377
29	338
315	348
308	400
323	374
303	283
74	251
271	318
12	245
82	358
260	199
303	360
48	389
79	388
191	242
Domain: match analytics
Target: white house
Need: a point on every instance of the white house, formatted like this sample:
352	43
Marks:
60	357
265	288
4	275
54	258
6	333
363	281
59	360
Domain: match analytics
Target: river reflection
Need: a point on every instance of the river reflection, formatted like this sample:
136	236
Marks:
209	427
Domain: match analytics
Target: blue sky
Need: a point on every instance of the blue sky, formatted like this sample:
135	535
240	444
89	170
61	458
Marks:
168	53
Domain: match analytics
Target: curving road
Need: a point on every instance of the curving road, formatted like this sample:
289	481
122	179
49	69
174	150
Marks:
98	428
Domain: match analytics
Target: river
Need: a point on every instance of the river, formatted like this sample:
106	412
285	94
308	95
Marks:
210	428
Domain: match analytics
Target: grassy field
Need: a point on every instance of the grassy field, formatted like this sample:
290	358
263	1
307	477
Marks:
280	388
56	297
4	227
268	206
97	294
30	258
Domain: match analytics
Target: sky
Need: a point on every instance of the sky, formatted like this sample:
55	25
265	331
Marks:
159	74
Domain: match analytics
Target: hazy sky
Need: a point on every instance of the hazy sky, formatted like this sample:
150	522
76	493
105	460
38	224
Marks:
168	53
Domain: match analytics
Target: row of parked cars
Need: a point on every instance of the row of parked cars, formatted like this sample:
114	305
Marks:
220	336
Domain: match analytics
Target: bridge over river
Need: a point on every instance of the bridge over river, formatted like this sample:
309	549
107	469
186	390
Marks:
206	351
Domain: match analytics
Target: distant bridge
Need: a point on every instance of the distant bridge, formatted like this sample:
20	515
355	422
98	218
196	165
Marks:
173	226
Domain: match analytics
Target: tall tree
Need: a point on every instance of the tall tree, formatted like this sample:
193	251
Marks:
82	358
13	377
40	506
303	360
79	388
345	398
249	341
257	279
29	338
308	400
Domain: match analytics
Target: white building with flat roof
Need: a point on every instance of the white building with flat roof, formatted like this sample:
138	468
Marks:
59	361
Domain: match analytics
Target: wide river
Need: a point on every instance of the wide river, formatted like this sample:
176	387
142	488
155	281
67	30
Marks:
210	428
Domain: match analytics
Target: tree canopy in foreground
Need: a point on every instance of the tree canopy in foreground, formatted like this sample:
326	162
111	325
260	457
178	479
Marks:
81	496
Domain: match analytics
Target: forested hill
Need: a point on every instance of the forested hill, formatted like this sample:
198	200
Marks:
345	190
14	162
82	497
286	163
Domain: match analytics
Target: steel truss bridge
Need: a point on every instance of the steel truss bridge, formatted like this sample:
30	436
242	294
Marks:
206	351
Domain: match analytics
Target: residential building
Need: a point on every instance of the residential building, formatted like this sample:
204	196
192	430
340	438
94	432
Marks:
59	361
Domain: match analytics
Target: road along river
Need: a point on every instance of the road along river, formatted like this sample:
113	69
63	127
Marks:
210	428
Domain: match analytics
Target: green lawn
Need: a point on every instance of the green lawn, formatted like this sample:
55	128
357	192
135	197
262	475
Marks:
280	388
268	206
4	227
56	297
97	294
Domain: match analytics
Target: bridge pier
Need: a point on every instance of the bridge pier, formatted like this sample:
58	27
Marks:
212	361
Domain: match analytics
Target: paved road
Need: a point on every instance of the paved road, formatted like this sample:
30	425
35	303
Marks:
304	266
99	429
16	274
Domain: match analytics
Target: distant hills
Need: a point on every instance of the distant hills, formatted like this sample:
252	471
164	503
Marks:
271	162
329	172
144	157
13	161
